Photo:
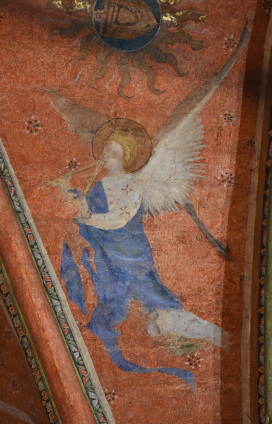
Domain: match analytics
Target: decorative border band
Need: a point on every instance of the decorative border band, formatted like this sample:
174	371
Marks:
265	324
87	381
27	346
262	278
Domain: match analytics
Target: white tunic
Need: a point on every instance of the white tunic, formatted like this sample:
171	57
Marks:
124	198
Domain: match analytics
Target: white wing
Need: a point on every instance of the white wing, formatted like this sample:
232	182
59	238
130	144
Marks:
168	177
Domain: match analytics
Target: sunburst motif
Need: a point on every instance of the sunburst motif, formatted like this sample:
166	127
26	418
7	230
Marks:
161	51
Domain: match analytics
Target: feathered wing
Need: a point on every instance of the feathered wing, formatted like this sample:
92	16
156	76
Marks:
82	121
168	177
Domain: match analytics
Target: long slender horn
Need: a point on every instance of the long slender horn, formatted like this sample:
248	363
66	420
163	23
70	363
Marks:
62	178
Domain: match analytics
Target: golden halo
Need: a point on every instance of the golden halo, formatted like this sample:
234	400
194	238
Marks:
127	128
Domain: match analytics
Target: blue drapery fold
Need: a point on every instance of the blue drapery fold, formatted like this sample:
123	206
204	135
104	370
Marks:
125	272
69	272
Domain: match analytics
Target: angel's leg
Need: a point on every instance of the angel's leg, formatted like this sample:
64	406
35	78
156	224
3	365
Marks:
186	324
103	324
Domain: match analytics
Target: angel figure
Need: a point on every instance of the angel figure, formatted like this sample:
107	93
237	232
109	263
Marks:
113	210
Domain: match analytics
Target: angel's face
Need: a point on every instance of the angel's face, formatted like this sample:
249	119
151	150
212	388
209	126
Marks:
113	157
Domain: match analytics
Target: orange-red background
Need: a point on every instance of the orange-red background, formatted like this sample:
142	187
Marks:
186	263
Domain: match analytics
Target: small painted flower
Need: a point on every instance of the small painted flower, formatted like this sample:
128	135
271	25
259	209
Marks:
267	5
14	385
110	395
194	360
230	43
72	164
228	117
8	335
127	189
33	126
250	143
226	179
124	211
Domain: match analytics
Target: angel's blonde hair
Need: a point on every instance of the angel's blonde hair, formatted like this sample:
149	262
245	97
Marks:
128	145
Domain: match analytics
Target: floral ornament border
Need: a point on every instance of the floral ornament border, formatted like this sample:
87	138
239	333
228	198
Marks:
74	351
262	276
28	348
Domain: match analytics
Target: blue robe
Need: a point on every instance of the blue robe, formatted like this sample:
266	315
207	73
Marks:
125	272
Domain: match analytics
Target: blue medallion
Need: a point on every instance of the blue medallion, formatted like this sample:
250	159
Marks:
127	25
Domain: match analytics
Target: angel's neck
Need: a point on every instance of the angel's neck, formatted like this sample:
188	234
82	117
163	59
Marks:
114	173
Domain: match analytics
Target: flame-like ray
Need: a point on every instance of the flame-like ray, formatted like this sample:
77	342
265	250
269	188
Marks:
138	79
76	41
150	74
172	34
171	49
101	60
193	29
125	76
157	55
181	38
165	70
85	45
80	72
112	75
74	28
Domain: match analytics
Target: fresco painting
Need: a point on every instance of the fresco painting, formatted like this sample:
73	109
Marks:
20	398
110	136
168	23
111	223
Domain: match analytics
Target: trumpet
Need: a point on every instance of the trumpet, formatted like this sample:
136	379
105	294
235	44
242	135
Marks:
63	180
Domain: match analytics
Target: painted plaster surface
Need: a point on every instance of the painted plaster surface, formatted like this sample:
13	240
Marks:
41	132
19	396
263	262
31	297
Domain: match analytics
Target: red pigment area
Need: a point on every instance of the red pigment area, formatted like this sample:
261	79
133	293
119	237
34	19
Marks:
207	285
